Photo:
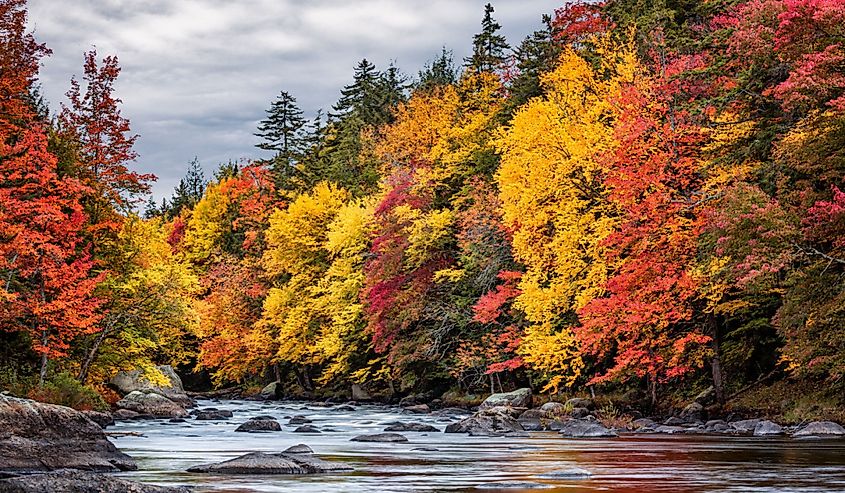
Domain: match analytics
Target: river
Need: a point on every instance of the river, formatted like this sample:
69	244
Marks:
453	462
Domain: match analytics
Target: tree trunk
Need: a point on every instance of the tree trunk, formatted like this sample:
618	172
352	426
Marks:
42	375
716	361
92	355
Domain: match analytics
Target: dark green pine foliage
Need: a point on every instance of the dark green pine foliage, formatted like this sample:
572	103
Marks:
438	72
364	105
282	133
190	189
488	47
535	56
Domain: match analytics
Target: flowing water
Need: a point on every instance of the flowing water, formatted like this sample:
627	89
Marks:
457	462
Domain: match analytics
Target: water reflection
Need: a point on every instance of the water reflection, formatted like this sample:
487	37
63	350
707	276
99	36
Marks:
448	462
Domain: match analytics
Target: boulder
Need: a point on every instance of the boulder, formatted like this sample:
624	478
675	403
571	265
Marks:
580	402
669	429
693	412
517	398
675	421
533	419
381	438
151	403
582	428
418	409
707	396
643	423
745	425
767	428
554	408
271	392
487	422
299	420
416	399
259	425
213	415
579	413
44	437
130	381
263	463
359	394
820	428
306	429
300	448
102	419
418	427
67	481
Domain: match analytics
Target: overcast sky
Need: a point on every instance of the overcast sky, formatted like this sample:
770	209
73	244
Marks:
198	74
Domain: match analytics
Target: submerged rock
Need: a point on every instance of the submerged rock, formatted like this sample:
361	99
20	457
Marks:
420	427
580	428
418	409
487	422
299	420
306	429
151	403
43	437
213	415
820	428
381	438
79	482
282	463
517	398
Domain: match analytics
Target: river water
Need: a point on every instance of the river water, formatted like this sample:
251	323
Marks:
457	462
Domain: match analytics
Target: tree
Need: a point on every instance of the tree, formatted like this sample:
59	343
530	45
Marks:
189	191
93	119
488	47
438	72
47	284
282	133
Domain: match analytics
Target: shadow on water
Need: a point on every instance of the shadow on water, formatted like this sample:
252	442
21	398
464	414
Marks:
459	463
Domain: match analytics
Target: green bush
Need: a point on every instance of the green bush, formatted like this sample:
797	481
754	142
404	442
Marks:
65	390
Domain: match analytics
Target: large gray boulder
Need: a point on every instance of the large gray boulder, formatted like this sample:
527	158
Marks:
487	422
79	482
820	428
359	394
419	427
767	428
153	404
130	381
259	425
271	392
583	428
744	426
43	437
281	463
517	398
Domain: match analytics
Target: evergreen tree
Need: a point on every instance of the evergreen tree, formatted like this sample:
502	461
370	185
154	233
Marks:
488	47
438	72
362	97
282	132
190	189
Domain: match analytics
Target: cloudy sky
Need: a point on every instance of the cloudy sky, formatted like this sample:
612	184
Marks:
198	74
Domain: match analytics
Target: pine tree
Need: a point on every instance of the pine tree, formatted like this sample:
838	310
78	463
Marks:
190	189
439	72
282	132
488	47
361	97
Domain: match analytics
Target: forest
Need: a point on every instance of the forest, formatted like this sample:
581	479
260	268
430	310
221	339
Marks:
641	199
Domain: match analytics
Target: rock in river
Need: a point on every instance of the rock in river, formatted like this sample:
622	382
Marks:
381	438
282	463
79	482
130	381
259	425
582	428
487	422
151	403
43	437
767	428
213	415
420	427
300	448
307	429
820	428
102	419
517	398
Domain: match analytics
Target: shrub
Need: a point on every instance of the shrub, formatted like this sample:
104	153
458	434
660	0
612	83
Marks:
64	389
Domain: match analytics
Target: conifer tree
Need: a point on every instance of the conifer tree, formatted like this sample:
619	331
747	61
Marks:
282	132
438	72
488	47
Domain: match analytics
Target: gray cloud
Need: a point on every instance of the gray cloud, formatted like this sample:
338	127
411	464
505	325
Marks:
198	74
